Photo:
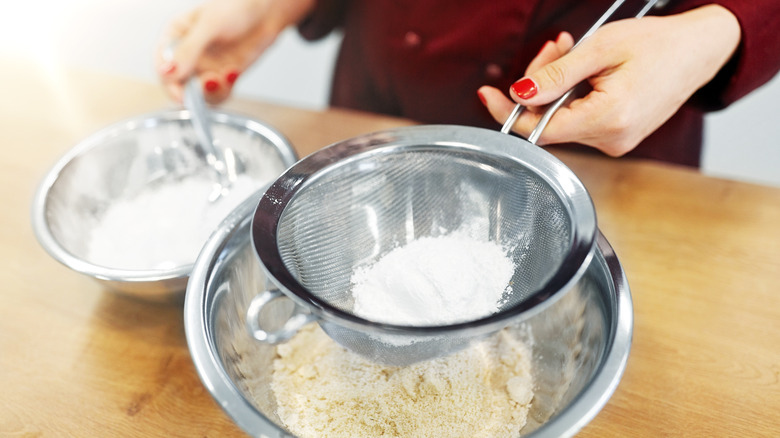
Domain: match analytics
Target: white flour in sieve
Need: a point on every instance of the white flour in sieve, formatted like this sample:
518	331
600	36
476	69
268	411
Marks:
166	226
432	281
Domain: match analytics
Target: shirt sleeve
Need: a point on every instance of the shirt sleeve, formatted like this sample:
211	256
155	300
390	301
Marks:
326	16
757	58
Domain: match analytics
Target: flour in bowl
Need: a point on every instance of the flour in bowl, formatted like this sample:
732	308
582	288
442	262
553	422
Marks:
434	281
165	226
323	390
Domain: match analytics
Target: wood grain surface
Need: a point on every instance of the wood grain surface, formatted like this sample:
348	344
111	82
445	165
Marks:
702	256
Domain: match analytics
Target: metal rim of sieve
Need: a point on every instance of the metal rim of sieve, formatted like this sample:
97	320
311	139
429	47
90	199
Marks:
561	179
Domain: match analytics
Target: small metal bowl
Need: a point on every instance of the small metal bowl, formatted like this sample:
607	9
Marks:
122	160
580	343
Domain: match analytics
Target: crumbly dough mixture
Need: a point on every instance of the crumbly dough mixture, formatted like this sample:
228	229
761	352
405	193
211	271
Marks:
322	390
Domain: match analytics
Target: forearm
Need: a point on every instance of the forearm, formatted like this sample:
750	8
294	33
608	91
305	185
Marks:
325	16
716	34
757	57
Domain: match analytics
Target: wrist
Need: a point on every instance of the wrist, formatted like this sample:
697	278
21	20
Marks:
291	12
720	29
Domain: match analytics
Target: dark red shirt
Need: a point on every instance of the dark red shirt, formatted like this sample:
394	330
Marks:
425	59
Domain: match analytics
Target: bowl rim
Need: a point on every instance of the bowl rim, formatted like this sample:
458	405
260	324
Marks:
198	314
130	276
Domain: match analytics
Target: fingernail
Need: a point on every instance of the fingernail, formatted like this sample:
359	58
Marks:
525	88
231	77
168	67
211	86
482	97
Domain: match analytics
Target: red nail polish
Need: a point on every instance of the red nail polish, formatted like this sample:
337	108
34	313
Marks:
525	88
231	77
482	97
211	86
167	68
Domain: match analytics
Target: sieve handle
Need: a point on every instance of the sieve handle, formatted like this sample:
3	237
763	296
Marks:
289	329
518	109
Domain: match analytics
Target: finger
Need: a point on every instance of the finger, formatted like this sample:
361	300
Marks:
166	69
556	78
230	75
580	122
547	54
190	48
175	90
226	80
181	25
500	107
166	46
566	126
590	120
551	50
564	42
215	88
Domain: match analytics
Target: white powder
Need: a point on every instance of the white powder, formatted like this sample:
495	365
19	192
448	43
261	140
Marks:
433	280
323	390
166	226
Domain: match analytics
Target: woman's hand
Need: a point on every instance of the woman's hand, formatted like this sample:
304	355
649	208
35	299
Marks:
220	39
640	73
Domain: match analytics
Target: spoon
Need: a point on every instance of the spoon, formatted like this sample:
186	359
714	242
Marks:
222	162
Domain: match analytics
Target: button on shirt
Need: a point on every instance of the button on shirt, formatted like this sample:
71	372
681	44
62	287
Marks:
412	40
425	59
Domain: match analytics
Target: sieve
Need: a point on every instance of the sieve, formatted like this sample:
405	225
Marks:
352	202
348	205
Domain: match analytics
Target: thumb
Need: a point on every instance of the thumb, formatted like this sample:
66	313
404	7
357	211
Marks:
182	47
554	79
189	50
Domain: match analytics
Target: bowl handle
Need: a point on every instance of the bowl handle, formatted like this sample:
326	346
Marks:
297	320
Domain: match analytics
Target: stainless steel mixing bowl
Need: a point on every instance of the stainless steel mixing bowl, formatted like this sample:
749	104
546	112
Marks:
121	160
580	343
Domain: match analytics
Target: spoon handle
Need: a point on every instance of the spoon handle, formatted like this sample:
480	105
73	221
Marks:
201	123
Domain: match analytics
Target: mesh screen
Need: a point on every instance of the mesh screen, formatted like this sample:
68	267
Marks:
362	208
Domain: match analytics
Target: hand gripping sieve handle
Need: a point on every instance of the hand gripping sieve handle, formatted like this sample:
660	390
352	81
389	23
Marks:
518	109
289	329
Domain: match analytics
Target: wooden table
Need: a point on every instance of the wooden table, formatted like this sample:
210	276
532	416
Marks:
702	256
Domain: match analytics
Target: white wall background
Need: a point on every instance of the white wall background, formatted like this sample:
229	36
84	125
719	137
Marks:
119	36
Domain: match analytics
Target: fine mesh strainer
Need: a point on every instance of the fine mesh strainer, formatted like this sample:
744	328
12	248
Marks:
353	202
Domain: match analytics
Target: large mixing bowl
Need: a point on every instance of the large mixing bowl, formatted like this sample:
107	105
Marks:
125	159
580	343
